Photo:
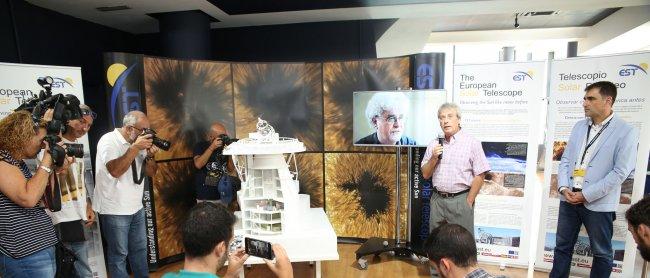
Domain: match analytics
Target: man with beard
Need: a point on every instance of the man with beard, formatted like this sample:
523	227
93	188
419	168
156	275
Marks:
386	114
212	165
638	223
207	234
124	156
599	156
452	252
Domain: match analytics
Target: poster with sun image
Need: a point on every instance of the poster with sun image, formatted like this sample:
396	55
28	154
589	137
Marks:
183	98
360	193
288	96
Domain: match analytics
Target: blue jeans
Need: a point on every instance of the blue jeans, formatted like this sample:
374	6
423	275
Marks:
599	227
125	238
39	264
81	264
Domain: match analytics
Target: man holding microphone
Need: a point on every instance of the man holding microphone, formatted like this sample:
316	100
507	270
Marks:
456	176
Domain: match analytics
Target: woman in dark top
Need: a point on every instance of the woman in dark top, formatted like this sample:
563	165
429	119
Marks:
27	236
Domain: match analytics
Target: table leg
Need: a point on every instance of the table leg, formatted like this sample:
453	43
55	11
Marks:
318	269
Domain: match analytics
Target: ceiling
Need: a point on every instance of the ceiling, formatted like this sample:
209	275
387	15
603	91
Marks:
449	15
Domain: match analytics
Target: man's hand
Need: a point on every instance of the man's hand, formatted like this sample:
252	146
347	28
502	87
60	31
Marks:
437	151
282	266
236	262
90	214
151	152
67	161
216	143
470	201
579	198
143	142
571	197
48	115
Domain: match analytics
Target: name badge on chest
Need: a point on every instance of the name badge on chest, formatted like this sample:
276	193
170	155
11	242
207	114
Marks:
579	177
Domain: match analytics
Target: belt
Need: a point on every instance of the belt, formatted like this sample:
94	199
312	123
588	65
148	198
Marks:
449	195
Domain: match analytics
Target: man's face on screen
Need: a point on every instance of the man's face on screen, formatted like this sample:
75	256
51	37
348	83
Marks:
390	126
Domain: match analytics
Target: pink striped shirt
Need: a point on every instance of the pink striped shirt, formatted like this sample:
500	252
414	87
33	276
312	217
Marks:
462	159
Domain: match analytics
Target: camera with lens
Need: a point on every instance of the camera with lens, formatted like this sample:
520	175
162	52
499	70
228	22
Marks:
227	140
65	108
59	153
157	141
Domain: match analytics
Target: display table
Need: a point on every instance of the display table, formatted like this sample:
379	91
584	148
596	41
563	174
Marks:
315	239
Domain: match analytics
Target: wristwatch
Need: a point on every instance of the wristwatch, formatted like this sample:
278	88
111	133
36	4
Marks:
47	169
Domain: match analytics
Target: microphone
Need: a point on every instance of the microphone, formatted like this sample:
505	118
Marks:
441	139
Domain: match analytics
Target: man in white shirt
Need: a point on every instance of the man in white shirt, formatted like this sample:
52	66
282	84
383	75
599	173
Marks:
124	157
76	206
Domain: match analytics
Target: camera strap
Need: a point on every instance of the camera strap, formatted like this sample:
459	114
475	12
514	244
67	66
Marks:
137	180
53	194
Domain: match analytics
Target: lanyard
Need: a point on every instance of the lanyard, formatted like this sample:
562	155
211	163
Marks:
589	143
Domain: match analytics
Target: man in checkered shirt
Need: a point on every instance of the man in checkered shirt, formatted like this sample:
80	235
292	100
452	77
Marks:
457	177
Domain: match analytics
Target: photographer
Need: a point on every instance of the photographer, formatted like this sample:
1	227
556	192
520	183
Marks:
124	156
76	207
27	236
212	165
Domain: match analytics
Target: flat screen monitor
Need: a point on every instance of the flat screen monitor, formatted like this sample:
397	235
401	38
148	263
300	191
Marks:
396	118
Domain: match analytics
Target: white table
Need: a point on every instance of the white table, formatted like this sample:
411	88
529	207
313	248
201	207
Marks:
314	241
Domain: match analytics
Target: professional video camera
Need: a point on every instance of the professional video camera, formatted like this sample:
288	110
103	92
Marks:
66	108
227	140
157	141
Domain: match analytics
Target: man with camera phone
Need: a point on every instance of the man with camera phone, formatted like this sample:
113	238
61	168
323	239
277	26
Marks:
124	156
212	165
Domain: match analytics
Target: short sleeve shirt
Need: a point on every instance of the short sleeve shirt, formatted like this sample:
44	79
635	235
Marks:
463	159
116	196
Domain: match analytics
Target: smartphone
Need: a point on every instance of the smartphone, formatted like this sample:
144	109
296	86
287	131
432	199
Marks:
259	248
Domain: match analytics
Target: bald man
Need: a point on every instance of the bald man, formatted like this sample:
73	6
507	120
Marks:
124	156
211	166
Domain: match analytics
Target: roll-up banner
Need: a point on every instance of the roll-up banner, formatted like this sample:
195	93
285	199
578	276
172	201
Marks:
18	84
568	79
427	72
499	106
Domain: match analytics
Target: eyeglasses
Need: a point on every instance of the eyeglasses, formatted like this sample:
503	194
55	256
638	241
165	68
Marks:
392	119
86	112
138	129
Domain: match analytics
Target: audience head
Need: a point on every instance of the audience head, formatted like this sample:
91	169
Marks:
638	223
450	247
207	232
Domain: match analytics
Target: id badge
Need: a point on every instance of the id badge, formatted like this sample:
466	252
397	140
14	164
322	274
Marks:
579	177
580	172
